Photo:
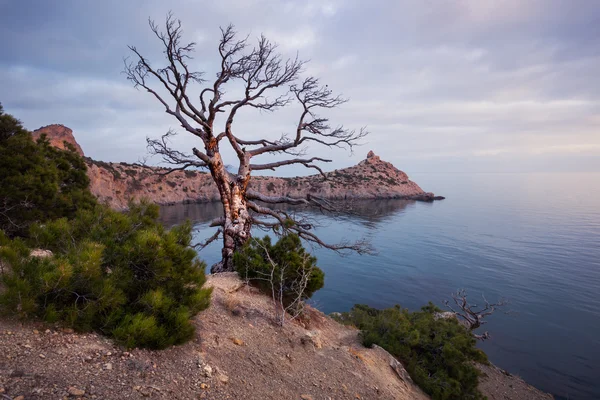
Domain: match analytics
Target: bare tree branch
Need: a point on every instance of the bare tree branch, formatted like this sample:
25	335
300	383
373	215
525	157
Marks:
202	245
472	315
170	156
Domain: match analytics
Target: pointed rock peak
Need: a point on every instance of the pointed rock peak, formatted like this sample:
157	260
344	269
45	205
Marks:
371	156
57	135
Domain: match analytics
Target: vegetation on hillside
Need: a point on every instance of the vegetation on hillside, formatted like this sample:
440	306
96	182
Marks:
121	274
37	181
438	353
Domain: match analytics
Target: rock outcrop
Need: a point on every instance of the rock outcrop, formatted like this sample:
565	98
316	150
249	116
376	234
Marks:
58	135
117	183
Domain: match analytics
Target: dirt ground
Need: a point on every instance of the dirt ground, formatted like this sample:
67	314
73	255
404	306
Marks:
238	353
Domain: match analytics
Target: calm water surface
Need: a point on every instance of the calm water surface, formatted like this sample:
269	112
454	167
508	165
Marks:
531	238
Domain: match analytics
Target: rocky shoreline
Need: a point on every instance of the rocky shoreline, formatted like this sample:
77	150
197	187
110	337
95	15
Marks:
116	183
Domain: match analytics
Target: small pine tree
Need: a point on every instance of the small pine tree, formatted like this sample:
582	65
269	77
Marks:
121	274
284	271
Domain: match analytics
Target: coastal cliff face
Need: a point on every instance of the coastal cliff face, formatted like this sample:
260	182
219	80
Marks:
117	183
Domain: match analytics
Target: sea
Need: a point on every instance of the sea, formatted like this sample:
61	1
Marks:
530	239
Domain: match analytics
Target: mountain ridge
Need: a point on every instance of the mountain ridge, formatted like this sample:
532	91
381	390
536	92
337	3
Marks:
117	183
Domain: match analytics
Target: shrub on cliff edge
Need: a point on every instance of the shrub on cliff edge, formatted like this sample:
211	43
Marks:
121	274
284	271
437	353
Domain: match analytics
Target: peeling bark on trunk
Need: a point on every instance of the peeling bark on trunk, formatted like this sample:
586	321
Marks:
237	221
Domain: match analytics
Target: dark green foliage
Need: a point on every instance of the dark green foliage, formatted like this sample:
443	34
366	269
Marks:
37	181
437	354
290	262
120	274
9	126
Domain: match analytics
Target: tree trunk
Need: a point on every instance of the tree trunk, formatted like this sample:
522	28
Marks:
237	221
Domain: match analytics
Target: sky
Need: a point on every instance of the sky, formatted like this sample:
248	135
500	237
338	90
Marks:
441	85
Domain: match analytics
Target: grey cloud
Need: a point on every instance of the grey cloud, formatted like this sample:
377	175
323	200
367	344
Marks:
451	85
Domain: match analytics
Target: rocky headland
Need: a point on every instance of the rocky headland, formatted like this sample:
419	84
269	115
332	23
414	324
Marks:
117	183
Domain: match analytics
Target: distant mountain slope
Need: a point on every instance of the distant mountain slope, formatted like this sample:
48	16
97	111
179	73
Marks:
116	183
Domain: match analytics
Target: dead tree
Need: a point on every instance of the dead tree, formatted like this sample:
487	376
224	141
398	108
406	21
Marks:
265	82
471	315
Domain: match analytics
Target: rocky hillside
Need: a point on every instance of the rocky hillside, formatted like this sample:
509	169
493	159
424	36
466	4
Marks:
237	353
116	183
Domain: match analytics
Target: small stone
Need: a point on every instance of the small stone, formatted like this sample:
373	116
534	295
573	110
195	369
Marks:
306	397
207	371
224	379
42	356
237	341
204	386
2	390
20	398
68	330
47	331
108	366
73	391
108	353
36	332
312	338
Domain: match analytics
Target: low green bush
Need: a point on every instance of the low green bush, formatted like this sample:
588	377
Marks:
437	353
121	274
280	268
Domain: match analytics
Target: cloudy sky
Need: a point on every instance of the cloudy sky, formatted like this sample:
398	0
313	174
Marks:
442	85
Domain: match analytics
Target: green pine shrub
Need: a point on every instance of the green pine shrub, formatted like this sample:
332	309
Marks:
437	353
121	274
286	262
37	181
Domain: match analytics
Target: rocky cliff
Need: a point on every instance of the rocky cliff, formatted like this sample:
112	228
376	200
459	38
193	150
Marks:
117	183
58	135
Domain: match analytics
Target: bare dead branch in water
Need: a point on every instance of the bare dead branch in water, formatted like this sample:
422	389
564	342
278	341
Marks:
472	315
